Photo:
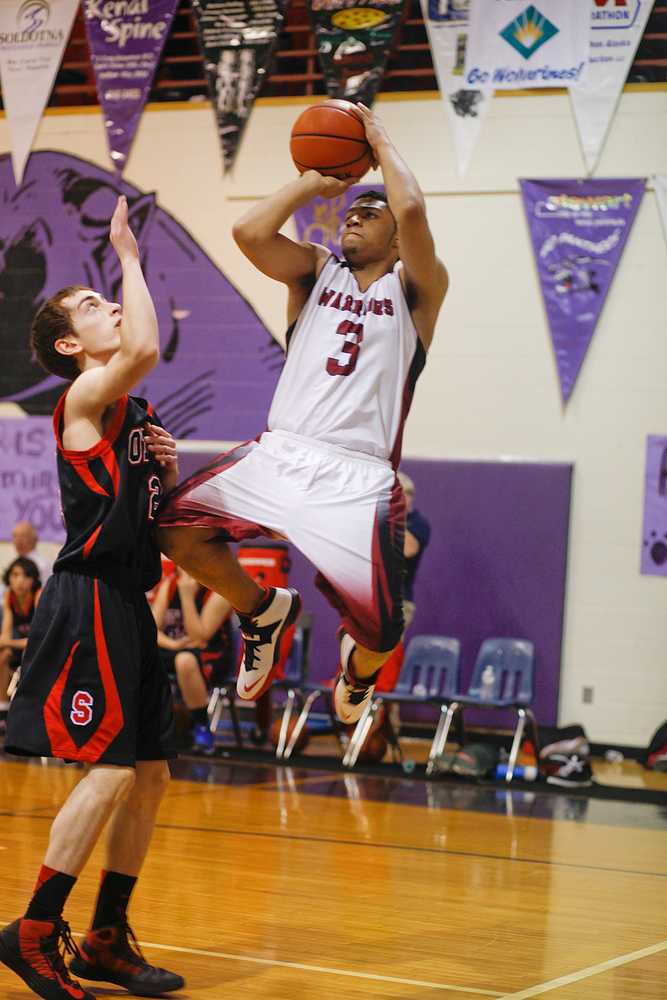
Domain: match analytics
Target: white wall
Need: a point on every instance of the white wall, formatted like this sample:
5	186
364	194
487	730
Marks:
490	387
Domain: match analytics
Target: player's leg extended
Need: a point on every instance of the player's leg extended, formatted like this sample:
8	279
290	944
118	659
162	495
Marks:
107	952
31	946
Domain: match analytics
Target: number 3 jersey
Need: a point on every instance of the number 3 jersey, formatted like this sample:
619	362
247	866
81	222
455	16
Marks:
353	359
110	495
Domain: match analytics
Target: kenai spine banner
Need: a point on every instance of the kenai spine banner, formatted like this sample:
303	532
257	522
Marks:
465	107
578	229
33	36
615	31
517	45
354	39
126	43
237	41
321	220
654	535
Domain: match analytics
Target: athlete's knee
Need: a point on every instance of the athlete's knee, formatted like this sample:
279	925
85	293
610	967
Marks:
153	777
185	664
110	785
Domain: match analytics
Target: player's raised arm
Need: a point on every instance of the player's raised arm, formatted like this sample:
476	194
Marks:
258	231
138	350
426	279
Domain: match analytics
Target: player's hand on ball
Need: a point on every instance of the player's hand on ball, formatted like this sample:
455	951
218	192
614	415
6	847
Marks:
120	234
328	187
162	447
376	133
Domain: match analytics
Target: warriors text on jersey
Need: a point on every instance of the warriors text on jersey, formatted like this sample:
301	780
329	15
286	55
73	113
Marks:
353	360
110	494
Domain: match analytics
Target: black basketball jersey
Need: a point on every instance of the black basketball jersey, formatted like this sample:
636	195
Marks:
110	495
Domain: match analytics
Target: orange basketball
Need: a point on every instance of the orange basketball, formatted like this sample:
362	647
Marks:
330	138
301	743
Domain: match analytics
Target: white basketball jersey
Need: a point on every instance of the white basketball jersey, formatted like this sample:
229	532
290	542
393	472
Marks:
352	362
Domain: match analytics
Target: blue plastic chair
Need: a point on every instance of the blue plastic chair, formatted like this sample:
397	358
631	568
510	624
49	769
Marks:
429	676
513	664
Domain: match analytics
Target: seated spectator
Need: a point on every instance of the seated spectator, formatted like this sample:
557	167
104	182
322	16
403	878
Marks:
22	580
26	540
194	639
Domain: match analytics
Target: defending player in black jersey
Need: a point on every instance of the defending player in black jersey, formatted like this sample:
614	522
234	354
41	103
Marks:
92	688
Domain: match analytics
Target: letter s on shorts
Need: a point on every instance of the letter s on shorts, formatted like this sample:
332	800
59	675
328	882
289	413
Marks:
82	708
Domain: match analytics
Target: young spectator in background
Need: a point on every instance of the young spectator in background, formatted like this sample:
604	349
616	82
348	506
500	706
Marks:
417	536
23	587
194	639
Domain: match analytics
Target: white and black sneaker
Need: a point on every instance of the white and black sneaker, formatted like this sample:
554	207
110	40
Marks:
263	633
351	693
567	770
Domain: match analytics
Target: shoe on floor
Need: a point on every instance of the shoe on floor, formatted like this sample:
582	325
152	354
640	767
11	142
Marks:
568	770
34	950
263	632
106	955
351	694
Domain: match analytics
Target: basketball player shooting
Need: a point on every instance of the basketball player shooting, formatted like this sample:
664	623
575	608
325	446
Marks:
92	689
324	474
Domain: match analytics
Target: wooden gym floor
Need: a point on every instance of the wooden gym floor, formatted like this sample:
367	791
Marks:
268	883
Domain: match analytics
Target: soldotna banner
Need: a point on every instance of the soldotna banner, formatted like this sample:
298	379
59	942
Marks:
578	230
126	42
654	534
615	30
512	44
466	107
33	36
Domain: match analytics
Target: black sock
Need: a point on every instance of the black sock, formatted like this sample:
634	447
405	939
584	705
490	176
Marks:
199	716
50	895
113	900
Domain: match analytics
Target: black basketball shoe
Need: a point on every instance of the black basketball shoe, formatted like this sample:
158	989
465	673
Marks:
567	770
106	955
32	949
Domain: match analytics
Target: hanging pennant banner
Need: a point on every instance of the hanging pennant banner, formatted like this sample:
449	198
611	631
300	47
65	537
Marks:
515	44
33	36
237	40
660	183
354	39
578	230
616	28
321	220
447	28
654	535
126	42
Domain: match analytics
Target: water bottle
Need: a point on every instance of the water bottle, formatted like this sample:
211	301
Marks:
488	681
526	772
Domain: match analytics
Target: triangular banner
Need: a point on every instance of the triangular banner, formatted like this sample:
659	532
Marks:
237	39
514	44
578	230
615	32
354	41
660	183
321	220
465	107
125	51
33	37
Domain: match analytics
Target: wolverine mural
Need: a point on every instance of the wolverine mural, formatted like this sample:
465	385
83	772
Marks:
219	362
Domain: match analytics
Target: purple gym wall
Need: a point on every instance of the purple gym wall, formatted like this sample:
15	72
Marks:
495	566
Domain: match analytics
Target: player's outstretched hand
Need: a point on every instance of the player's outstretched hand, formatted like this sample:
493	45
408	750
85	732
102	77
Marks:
327	187
376	133
162	447
120	234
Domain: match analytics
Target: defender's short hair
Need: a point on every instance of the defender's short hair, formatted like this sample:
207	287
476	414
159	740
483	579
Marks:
52	322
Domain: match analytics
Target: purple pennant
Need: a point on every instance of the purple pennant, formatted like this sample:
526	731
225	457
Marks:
654	537
126	41
320	221
578	230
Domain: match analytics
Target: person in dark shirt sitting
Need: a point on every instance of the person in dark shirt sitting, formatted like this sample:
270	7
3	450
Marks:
24	586
417	537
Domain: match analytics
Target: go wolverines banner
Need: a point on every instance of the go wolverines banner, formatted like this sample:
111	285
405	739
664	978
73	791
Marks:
578	230
126	39
33	36
237	39
513	44
354	40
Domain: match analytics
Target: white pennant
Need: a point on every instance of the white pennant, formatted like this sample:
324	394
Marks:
465	107
616	28
33	36
660	183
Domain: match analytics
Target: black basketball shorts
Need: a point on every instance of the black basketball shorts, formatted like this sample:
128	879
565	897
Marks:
92	686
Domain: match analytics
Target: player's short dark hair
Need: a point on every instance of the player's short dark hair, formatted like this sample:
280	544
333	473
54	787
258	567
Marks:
371	196
29	568
52	322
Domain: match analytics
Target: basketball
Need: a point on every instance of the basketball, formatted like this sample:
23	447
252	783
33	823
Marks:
330	138
301	743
